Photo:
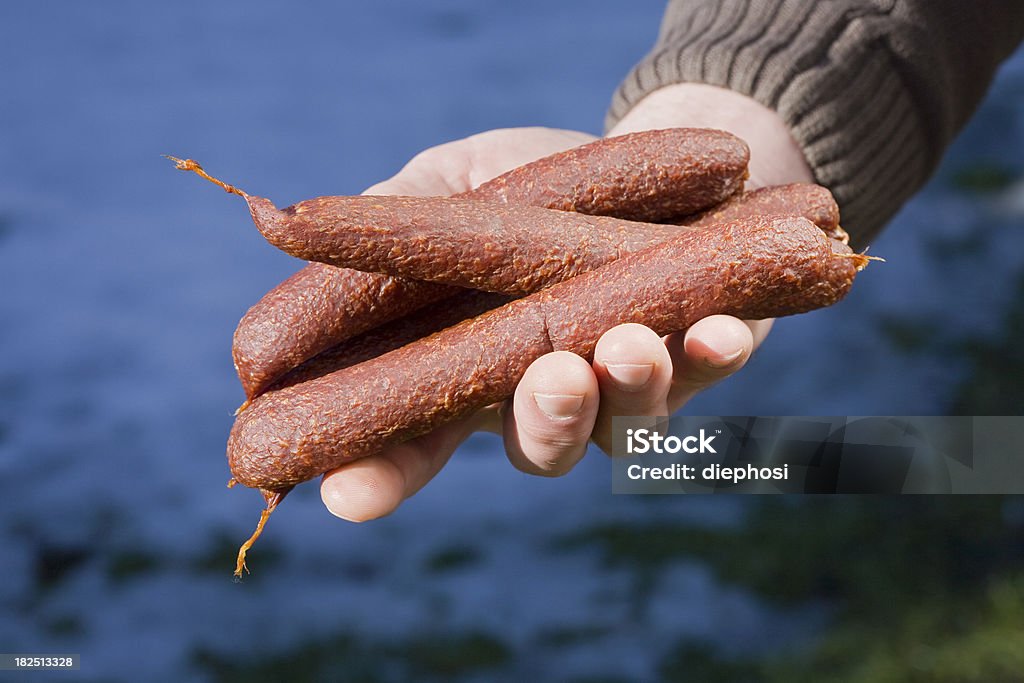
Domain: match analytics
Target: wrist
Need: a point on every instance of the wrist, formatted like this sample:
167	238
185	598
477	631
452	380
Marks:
775	157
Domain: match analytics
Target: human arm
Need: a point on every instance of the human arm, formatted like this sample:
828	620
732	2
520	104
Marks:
871	91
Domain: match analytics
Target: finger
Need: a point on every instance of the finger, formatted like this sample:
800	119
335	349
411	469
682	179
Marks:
440	170
634	372
552	416
363	490
494	152
417	178
711	350
375	486
461	165
760	329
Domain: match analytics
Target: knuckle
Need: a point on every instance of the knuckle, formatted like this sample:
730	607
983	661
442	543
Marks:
556	439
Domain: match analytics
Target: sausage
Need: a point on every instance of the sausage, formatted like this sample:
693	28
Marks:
511	249
647	176
813	202
393	335
810	201
650	175
465	242
312	310
759	268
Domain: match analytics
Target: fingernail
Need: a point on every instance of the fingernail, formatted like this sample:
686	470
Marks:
724	361
630	376
559	406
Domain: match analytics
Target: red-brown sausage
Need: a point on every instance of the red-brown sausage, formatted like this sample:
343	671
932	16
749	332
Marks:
481	245
313	309
753	269
813	202
648	176
398	333
510	249
651	175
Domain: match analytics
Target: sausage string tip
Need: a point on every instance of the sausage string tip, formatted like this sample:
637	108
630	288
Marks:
272	502
862	259
193	165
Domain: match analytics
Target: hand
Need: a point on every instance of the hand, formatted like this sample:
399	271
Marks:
562	401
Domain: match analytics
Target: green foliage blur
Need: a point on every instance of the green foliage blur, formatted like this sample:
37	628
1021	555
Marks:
927	589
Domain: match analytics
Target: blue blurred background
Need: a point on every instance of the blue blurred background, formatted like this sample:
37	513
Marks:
123	280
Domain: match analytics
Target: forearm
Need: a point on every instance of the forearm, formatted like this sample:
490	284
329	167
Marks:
872	91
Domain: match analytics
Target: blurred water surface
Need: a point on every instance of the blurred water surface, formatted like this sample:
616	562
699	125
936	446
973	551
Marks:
122	281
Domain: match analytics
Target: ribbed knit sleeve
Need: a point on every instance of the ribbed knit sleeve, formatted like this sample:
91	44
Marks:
872	90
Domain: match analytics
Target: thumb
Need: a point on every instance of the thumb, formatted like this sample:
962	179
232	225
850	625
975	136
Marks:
461	165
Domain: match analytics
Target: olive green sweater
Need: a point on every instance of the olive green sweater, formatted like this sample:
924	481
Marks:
872	90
